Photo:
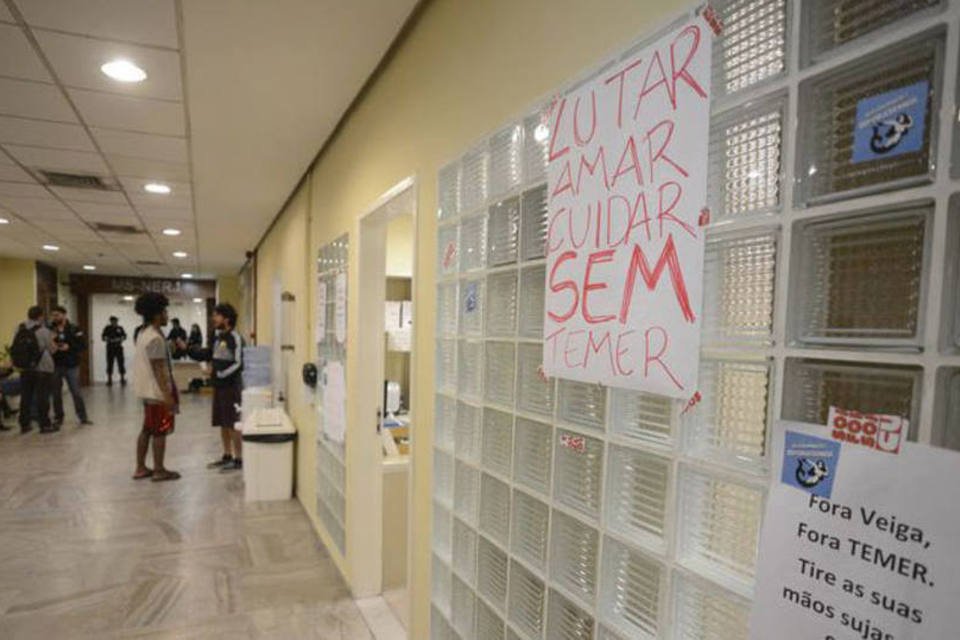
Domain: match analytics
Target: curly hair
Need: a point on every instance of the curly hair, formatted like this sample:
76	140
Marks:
151	304
228	312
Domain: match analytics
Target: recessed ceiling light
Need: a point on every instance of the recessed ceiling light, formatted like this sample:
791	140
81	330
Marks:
171	232
128	298
179	254
123	71
157	187
4	221
186	276
198	299
51	247
89	267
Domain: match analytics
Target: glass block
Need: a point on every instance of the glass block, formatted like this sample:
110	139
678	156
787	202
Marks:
492	573
462	608
471	306
448	250
527	595
638	484
441	530
841	261
440	585
448	191
746	172
448	305
445	425
706	612
506	159
719	527
567	621
468	437
579	471
440	629
531	521
946	432
490	626
825	160
607	634
582	403
446	364
495	509
499	367
829	24
641	417
474	184
469	368
573	556
533	394
473	243
497	441
752	47
502	304
532	449
536	141
533	223
630	586
817	385
466	493
739	273
464	551
442	477
730	422
532	297
503	228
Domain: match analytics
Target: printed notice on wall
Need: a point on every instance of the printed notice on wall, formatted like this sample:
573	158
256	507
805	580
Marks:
340	307
858	543
627	178
334	402
321	311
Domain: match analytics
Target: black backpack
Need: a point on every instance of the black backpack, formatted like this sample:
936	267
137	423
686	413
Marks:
25	350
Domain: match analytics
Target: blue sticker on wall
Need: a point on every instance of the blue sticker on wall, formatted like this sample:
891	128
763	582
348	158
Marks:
810	463
470	298
891	123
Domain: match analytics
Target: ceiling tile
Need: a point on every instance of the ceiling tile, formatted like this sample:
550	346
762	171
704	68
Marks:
146	21
17	57
90	195
18	189
132	114
139	145
76	60
87	209
5	13
13	173
59	159
34	100
151	213
38	133
62	217
27	206
149	169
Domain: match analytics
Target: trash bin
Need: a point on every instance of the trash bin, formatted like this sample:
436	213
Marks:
268	437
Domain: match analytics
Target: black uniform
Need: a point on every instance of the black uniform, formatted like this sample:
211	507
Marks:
114	335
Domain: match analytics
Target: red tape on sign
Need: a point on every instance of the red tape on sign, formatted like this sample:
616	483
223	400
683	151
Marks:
710	15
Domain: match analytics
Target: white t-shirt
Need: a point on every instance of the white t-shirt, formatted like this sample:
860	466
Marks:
150	346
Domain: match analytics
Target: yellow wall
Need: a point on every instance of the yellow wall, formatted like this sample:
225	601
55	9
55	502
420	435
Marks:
228	292
18	292
464	69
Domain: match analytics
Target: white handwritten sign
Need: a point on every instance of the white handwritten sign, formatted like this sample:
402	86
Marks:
627	179
857	544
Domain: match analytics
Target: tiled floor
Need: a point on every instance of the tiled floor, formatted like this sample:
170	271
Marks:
86	552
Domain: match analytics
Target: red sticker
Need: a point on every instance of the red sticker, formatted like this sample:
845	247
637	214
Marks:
692	402
542	374
448	254
704	217
872	430
574	443
710	15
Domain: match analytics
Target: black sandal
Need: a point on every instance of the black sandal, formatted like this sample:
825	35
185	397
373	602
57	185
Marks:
141	476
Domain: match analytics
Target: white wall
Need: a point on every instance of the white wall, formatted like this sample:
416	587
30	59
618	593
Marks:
104	305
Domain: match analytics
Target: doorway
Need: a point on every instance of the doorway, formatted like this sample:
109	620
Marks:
386	324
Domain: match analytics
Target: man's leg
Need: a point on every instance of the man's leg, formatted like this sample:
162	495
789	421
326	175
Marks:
43	390
122	367
238	447
73	383
57	391
111	356
143	443
28	385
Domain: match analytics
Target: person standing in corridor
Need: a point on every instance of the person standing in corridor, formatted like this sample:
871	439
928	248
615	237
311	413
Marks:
114	335
70	342
31	354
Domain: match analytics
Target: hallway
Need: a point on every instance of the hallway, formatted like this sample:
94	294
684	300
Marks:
86	552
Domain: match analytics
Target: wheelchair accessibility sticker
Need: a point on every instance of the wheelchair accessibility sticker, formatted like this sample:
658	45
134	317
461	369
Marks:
810	463
891	123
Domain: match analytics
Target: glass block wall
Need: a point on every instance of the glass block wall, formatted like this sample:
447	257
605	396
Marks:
331	505
564	510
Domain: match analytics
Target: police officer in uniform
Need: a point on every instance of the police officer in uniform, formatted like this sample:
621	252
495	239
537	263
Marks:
114	335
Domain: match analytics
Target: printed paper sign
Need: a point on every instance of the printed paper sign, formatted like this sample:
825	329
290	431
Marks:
321	313
334	402
890	123
871	430
857	544
340	308
627	178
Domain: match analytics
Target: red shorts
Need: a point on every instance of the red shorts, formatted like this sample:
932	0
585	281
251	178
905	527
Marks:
157	419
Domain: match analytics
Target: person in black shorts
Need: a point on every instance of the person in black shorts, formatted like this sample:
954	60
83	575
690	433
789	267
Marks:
226	356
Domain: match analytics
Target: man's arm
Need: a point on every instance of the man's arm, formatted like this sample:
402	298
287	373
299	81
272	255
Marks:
162	374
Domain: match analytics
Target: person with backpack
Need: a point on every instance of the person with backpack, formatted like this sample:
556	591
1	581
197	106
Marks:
70	343
226	356
32	353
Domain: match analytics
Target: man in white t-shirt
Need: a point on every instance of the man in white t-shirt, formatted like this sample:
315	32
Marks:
154	385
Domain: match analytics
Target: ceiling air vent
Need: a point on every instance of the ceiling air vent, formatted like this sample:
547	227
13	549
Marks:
122	229
150	263
77	181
